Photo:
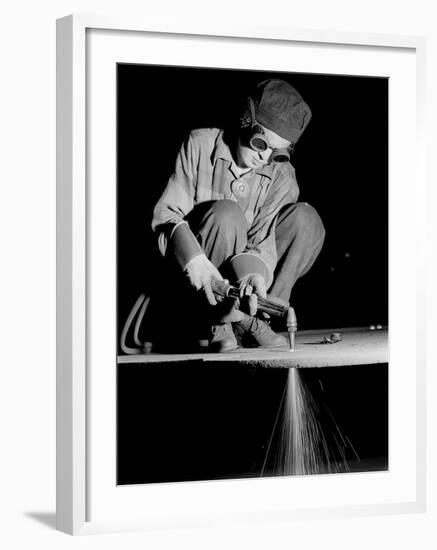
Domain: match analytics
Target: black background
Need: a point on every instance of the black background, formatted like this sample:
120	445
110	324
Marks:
209	423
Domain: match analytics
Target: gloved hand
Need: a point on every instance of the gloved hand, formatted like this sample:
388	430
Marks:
201	272
252	285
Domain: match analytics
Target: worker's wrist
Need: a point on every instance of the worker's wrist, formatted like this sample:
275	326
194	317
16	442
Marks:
245	264
184	245
253	276
199	258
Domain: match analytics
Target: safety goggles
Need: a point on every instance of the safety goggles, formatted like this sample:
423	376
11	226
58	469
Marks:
257	140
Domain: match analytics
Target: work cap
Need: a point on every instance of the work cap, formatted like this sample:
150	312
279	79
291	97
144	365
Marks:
280	108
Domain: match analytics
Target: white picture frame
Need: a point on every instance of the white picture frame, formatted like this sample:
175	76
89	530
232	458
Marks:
80	41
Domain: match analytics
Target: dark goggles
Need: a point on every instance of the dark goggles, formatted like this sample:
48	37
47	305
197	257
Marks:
258	142
256	139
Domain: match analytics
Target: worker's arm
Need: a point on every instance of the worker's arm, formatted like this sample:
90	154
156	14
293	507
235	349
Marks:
174	233
177	201
261	235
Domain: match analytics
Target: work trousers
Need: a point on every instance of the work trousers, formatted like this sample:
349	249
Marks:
221	229
179	315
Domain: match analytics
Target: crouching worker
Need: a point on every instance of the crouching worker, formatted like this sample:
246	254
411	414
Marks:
230	211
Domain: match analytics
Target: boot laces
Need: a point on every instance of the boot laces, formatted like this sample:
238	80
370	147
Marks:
259	327
218	330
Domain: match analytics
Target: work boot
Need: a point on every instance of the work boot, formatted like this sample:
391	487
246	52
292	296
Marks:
222	338
259	333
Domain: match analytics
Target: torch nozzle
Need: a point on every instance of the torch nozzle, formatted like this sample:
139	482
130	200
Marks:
291	326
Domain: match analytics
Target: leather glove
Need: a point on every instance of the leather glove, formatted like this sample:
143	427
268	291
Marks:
201	272
252	286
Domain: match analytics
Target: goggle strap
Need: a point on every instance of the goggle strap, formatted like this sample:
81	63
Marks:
252	111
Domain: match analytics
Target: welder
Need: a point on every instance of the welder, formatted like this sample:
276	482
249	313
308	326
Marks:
230	210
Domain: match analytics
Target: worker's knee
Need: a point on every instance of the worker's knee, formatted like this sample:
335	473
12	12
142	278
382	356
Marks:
227	213
303	217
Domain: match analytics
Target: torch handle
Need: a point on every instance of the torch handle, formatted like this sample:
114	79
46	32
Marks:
271	305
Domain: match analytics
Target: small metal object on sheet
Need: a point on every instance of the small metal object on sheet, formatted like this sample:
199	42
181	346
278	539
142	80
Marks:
333	338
